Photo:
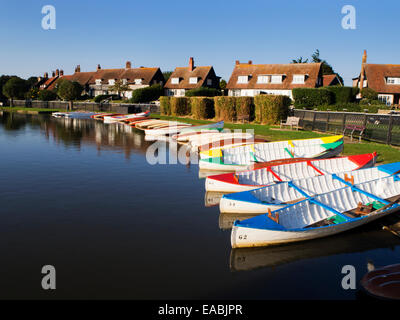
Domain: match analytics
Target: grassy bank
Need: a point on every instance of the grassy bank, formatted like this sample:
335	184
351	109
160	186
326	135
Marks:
29	110
385	152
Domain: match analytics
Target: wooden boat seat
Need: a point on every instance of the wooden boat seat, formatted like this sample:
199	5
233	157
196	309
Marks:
276	218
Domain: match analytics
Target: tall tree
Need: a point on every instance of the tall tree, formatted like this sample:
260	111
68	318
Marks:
326	67
15	88
69	91
299	60
166	75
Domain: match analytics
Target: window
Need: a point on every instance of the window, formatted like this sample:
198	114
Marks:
386	98
98	82
175	80
111	82
124	81
193	80
276	79
243	79
138	81
298	78
392	80
209	82
263	79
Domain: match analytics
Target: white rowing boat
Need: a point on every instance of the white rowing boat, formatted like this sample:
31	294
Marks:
237	158
279	195
320	216
285	171
113	119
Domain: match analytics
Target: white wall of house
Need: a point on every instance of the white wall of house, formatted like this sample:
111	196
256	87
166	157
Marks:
254	92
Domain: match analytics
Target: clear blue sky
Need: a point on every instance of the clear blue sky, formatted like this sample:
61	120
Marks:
214	32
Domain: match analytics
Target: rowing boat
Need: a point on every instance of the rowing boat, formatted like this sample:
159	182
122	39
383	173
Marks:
100	116
218	138
285	171
182	128
185	136
237	158
320	216
113	119
383	283
229	142
279	195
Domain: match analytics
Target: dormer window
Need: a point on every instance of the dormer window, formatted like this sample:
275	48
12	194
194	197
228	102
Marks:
98	82
138	81
298	78
243	79
193	80
276	78
175	80
111	82
263	79
124	81
393	80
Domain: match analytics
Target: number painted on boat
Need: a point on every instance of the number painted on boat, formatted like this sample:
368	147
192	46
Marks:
242	236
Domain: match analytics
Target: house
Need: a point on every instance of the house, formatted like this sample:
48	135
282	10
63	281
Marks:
250	79
190	77
331	80
382	78
101	81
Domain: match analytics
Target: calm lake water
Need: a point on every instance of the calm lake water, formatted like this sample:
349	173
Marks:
80	195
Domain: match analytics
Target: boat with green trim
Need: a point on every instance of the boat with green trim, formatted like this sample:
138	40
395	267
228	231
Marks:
239	157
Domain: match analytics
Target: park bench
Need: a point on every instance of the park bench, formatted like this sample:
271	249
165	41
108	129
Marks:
244	118
291	122
354	129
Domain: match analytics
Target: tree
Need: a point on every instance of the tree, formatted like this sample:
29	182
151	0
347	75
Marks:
222	84
299	60
166	75
69	91
15	88
3	80
326	67
47	95
119	87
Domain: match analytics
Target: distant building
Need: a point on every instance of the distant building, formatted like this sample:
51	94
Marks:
382	78
100	81
190	77
250	79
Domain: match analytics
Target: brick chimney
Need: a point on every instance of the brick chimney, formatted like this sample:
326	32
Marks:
46	75
98	67
250	62
53	74
78	68
191	64
237	62
128	65
61	72
57	72
362	74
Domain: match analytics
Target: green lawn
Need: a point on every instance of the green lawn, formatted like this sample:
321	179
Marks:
15	109
386	153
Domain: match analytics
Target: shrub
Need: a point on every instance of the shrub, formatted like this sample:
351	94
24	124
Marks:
311	97
225	108
369	94
342	94
47	95
102	97
245	107
270	109
180	106
146	94
350	107
202	108
165	106
203	92
69	90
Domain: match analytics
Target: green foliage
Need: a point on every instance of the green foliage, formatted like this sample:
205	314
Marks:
166	75
15	88
165	105
69	90
310	97
47	95
245	107
225	108
369	94
118	87
222	84
203	92
342	94
146	94
32	93
202	108
180	106
270	109
3	80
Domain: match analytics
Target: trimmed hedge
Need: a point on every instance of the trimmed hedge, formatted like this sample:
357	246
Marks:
203	92
202	108
369	94
270	109
342	94
311	97
146	94
165	105
180	106
225	108
245	107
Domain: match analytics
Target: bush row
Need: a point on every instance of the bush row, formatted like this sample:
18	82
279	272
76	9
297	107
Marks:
266	109
311	97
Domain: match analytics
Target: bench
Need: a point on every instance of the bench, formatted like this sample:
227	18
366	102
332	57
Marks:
244	118
354	129
292	122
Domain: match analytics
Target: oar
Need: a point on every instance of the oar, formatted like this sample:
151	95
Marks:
387	228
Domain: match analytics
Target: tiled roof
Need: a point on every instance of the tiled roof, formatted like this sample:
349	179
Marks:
184	74
329	79
376	75
311	70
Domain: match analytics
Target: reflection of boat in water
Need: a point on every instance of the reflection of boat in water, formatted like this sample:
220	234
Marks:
365	239
212	199
226	220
